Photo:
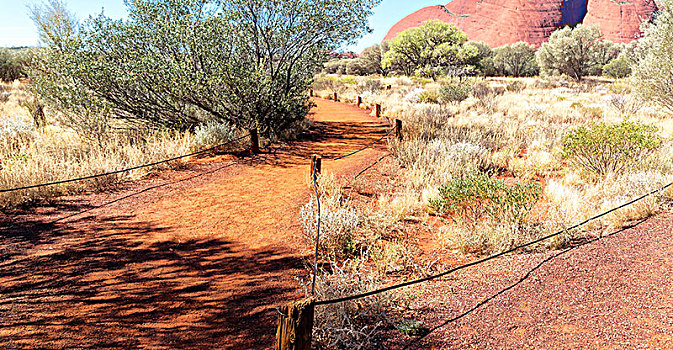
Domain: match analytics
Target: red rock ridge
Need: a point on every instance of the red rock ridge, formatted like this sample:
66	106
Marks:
501	22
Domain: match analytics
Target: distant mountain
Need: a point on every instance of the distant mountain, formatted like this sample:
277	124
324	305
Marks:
500	22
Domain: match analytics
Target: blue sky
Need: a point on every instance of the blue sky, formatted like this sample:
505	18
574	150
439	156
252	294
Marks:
16	28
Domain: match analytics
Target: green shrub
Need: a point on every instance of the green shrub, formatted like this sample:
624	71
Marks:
477	196
618	68
454	93
429	96
12	65
602	148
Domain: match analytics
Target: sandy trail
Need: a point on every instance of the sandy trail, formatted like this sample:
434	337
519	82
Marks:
198	264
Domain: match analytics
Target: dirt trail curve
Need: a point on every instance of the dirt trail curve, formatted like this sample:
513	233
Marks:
195	265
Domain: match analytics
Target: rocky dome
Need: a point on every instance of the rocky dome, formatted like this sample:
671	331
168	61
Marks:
501	22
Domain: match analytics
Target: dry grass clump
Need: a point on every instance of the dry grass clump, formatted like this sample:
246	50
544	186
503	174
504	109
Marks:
31	155
354	259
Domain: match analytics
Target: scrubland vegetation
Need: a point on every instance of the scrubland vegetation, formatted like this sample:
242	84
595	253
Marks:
501	145
491	163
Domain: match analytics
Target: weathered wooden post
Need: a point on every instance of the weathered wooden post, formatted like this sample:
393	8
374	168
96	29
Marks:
378	110
254	141
398	129
389	87
295	325
359	101
316	166
311	93
336	97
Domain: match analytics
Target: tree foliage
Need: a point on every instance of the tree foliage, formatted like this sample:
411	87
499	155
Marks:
653	73
576	52
434	49
177	63
13	63
517	60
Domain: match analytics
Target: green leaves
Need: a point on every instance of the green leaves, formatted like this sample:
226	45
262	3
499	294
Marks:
603	149
653	73
576	52
178	63
478	196
434	49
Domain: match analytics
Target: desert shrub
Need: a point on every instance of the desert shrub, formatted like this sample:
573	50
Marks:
213	133
12	64
477	195
652	75
350	325
489	216
178	56
618	68
625	104
516	86
338	221
576	52
4	96
516	60
429	96
454	92
602	149
370	85
336	66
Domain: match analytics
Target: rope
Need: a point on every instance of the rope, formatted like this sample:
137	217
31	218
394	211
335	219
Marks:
478	262
123	170
369	145
317	237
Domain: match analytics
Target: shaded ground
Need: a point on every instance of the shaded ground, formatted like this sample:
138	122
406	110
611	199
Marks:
191	259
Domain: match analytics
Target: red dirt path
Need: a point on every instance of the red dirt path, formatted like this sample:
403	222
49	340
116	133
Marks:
197	264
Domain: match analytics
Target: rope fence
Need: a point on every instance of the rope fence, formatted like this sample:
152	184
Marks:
300	321
124	170
296	319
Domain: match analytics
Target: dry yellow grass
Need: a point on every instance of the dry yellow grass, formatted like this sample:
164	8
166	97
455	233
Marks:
519	135
32	156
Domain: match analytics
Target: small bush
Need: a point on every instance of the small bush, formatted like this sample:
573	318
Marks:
213	133
516	86
12	65
477	196
454	93
429	96
618	68
602	148
370	85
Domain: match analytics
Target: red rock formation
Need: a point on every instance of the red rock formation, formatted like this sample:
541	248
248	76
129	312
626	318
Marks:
500	22
619	20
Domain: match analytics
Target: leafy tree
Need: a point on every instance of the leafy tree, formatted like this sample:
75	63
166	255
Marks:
653	75
575	52
485	65
176	63
12	64
431	50
516	60
372	58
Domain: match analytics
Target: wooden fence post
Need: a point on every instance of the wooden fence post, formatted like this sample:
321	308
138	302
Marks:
336	97
398	129
316	165
389	87
378	110
311	93
295	325
254	141
359	101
